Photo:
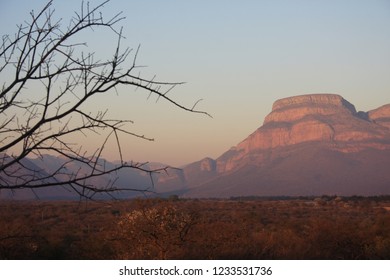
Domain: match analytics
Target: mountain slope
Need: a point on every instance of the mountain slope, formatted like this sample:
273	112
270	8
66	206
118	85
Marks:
308	145
40	168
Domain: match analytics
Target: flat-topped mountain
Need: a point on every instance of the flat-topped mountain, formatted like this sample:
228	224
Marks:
318	117
308	145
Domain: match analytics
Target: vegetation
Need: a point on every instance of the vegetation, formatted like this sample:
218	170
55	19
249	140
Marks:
299	228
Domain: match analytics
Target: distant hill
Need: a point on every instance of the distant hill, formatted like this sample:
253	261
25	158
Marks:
39	168
308	145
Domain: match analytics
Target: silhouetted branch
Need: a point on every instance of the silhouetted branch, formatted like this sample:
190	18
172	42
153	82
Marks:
44	53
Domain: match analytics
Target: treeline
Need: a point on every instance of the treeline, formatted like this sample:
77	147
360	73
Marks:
377	198
315	228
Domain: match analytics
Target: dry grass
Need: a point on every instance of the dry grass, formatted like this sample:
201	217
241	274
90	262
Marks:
306	228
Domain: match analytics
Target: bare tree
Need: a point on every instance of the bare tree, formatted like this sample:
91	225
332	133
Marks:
33	123
156	231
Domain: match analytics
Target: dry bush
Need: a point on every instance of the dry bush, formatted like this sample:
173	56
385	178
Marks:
156	232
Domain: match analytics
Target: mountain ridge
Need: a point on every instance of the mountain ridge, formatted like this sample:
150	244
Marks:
314	144
327	124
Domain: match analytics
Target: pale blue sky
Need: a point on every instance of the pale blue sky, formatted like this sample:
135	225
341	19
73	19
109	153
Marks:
239	56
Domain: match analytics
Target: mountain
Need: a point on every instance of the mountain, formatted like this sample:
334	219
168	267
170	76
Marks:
25	170
316	144
39	169
308	145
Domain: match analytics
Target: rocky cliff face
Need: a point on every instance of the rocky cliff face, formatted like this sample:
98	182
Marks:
317	117
325	118
295	108
381	115
311	142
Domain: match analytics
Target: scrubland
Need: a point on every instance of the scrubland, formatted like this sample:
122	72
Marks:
242	228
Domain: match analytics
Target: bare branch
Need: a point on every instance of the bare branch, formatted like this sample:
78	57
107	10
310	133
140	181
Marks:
44	52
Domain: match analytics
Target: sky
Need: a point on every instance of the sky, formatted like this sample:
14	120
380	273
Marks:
238	57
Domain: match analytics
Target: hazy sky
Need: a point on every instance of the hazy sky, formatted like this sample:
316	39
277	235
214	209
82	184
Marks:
239	57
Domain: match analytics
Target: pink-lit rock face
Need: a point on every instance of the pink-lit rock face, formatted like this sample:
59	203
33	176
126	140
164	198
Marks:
381	115
295	108
317	117
312	99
